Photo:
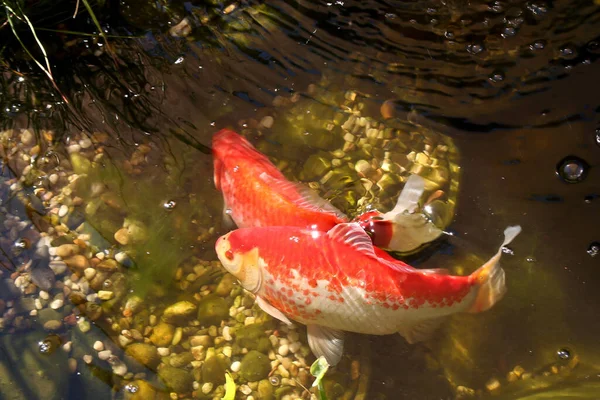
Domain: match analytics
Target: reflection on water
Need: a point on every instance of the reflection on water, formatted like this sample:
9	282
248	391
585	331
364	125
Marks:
109	215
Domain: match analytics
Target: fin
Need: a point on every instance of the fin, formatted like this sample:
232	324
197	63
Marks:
309	199
228	222
435	271
272	311
217	166
408	200
422	330
490	276
411	231
326	342
354	236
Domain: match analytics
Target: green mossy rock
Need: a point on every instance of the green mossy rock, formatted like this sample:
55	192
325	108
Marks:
213	371
162	334
145	354
176	379
180	311
255	366
212	309
253	337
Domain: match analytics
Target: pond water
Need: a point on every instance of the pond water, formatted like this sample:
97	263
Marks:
109	283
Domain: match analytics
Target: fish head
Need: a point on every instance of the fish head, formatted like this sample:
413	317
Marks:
379	229
241	261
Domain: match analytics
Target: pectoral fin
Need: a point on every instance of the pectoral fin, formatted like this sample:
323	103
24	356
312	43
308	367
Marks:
228	222
272	311
326	342
421	330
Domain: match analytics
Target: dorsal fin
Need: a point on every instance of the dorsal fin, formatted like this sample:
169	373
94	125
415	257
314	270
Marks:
307	198
354	236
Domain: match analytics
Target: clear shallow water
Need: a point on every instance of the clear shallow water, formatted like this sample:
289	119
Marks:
511	84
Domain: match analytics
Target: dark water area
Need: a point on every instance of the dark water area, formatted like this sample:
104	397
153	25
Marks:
506	89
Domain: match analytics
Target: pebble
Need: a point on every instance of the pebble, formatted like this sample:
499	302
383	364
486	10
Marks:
98	345
33	313
56	304
212	331
207	388
163	351
67	346
38	304
53	325
63	210
249	321
87	359
226	334
104	355
27	137
59	267
235	366
227	351
245	389
267	121
72	365
53	179
89	273
67	250
105	294
294	347
283	350
122	236
44	295
124	340
121	257
492	385
85	143
83	325
177	336
119	369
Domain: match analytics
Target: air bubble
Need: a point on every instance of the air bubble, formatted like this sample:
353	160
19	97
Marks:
572	169
131	388
598	136
530	259
496	76
169	205
508	32
564	354
474	48
537	45
594	249
567	53
274	380
508	250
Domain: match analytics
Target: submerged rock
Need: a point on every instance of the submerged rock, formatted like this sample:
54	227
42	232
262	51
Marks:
176	379
253	337
179	311
162	334
145	354
213	370
212	309
255	366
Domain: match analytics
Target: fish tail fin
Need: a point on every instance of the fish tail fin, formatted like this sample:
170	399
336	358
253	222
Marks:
490	277
408	200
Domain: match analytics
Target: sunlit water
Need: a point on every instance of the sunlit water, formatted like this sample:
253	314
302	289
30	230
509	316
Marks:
511	84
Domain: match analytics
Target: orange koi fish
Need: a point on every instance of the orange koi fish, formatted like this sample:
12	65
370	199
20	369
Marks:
257	194
337	281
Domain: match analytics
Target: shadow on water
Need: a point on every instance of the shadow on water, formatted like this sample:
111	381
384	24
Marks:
485	100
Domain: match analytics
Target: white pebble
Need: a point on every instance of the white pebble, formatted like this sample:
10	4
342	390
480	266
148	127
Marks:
249	321
59	267
53	178
119	369
91	297
56	304
195	385
267	121
294	347
38	304
44	295
74	148
67	346
33	313
121	257
83	325
85	143
245	389
207	388
283	350
227	334
227	351
163	351
87	359
89	273
235	366
63	210
98	345
104	355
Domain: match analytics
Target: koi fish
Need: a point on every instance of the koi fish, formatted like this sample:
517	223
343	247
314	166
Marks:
257	194
338	281
402	229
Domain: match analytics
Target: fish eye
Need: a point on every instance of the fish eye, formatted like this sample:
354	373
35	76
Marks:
229	255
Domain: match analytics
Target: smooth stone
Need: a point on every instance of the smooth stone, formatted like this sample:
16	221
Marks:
181	360
176	379
58	266
225	286
253	337
107	265
63	210
162	334
122	236
145	354
213	370
53	325
67	250
212	309
77	262
179	311
255	366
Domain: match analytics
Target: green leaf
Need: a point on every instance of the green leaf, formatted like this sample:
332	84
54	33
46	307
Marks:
318	370
229	388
